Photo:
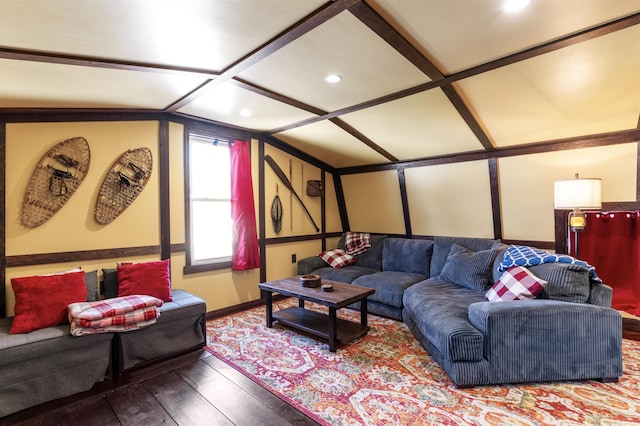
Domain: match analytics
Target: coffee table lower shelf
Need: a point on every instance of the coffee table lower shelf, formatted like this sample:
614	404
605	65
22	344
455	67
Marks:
317	324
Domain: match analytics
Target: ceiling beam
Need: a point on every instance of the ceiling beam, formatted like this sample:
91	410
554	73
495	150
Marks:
262	91
566	41
87	61
388	33
576	142
308	23
289	101
362	138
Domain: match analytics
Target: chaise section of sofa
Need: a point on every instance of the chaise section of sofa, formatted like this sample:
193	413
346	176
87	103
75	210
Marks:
569	333
48	364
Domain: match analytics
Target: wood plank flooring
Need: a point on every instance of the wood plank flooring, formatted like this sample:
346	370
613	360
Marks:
193	389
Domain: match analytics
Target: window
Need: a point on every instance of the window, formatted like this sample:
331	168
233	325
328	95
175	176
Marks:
209	228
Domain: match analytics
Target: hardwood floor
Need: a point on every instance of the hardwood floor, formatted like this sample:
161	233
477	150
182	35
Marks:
193	389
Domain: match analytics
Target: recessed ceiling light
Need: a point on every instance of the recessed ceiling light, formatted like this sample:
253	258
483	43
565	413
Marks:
515	5
246	112
332	78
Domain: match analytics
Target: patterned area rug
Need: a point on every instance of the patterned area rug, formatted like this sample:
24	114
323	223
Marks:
387	378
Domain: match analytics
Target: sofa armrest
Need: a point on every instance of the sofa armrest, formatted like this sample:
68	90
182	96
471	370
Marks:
601	295
310	264
543	339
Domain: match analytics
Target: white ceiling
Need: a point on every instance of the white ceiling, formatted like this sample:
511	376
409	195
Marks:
421	78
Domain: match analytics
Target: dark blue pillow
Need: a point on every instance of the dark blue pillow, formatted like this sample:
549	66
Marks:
469	269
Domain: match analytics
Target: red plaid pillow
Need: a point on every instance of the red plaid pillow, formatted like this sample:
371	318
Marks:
337	258
357	242
517	283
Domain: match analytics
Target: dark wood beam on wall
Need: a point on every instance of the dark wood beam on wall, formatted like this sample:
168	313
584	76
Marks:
262	212
589	141
342	205
3	229
405	203
496	207
81	255
165	190
52	115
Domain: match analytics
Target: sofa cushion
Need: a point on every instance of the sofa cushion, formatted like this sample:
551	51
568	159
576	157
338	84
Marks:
9	340
501	248
440	310
150	278
470	269
337	258
343	275
566	282
41	301
442	247
517	283
389	286
110	279
406	255
91	280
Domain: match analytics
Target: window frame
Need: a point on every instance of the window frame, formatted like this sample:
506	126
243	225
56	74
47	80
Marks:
216	263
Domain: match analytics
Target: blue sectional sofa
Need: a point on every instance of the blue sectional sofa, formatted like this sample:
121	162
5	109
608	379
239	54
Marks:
570	332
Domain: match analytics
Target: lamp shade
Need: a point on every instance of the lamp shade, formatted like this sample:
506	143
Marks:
577	194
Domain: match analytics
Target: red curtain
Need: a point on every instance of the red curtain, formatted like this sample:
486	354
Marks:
245	237
610	242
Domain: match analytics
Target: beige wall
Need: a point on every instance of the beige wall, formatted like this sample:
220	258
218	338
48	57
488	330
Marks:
455	199
373	202
73	228
448	199
526	185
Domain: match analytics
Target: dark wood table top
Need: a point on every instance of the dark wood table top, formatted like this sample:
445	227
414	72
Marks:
342	294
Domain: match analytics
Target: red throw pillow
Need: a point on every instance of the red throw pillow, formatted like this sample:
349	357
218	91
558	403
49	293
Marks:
42	301
150	278
337	258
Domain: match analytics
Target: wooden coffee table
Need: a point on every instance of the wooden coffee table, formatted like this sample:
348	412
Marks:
336	331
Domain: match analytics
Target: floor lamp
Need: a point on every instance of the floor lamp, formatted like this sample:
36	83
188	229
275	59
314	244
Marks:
577	194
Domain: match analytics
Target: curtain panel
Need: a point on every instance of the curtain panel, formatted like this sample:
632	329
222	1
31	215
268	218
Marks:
245	237
611	243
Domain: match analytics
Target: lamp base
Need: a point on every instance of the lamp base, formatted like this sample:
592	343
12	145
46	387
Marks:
577	221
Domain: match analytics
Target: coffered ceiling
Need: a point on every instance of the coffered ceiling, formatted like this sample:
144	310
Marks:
420	78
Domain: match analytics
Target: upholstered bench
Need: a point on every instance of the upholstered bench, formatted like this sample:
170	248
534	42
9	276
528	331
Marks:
180	328
47	364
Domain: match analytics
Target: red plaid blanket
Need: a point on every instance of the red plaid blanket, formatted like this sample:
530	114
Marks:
126	313
357	242
76	330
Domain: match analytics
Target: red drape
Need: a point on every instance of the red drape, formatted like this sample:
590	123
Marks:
245	237
610	242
